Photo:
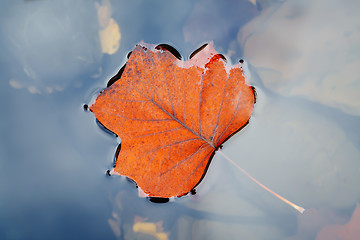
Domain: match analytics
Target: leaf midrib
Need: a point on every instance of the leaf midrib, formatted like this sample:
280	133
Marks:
176	119
182	124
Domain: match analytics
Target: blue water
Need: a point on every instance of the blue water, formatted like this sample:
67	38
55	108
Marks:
300	142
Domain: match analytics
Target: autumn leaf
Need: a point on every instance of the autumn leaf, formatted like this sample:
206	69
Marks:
172	115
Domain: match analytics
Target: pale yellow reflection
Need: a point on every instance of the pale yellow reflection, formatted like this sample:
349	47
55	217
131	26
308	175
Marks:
150	228
109	32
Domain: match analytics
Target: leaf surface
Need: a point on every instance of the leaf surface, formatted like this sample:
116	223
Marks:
172	115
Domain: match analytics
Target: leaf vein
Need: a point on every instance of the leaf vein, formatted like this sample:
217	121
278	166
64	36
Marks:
234	114
164	146
137	119
197	167
155	133
221	106
183	161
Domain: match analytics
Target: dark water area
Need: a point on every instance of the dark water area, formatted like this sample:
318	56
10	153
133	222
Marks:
302	141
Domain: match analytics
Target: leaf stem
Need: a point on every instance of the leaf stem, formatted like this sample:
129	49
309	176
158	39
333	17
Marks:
300	209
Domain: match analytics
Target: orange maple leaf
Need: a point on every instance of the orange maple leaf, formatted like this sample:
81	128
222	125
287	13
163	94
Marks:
172	116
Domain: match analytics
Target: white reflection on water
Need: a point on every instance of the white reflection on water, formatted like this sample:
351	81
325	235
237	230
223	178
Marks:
309	49
52	41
